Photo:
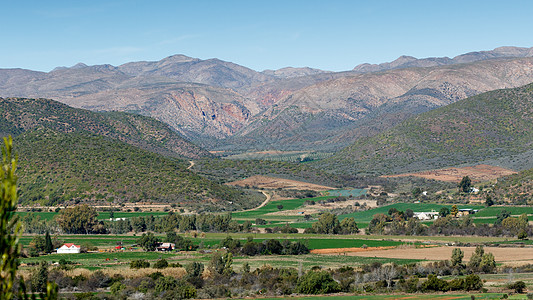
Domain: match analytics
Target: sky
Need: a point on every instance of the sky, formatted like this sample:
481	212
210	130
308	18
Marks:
330	35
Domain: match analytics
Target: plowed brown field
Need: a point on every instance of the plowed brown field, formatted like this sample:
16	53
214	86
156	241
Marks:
476	173
441	253
272	183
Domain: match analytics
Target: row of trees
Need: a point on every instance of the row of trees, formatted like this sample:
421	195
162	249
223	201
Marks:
401	223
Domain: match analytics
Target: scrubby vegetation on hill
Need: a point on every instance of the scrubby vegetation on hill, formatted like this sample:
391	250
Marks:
57	167
517	189
18	115
491	125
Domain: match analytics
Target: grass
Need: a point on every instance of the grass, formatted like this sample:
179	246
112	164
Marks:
272	207
493	211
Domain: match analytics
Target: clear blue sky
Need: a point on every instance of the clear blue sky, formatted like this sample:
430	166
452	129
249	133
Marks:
331	35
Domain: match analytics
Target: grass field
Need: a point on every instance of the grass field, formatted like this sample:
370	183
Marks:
272	207
493	211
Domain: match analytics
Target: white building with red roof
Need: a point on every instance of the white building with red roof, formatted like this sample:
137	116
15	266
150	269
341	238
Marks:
69	248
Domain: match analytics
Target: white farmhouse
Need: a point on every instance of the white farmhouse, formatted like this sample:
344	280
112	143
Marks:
427	215
69	248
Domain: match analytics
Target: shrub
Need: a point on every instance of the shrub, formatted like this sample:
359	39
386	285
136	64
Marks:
317	282
435	284
517	286
161	264
139	264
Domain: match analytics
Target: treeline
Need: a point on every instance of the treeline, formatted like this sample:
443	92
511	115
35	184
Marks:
405	223
82	219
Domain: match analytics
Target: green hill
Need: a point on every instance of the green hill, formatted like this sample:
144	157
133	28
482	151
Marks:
492	125
57	167
18	115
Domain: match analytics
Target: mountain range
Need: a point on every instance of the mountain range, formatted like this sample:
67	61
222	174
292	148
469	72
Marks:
496	125
225	106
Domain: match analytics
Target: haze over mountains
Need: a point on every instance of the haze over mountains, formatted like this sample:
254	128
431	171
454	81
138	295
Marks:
226	106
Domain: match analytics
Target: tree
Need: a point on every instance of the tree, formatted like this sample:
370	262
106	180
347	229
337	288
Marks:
487	264
522	235
80	219
348	226
11	229
457	257
327	223
475	259
502	215
454	211
465	185
148	241
433	283
392	211
489	201
443	212
40	278
279	207
416	192
48	245
377	224
221	263
314	282
473	282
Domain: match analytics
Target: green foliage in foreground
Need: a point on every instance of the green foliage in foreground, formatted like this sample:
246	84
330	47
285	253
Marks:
10	232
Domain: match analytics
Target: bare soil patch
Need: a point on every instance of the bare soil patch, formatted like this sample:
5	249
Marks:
476	173
348	250
445	252
272	183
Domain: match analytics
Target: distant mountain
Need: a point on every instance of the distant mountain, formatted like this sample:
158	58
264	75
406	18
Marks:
412	62
78	167
491	125
223	105
334	113
18	115
290	72
213	72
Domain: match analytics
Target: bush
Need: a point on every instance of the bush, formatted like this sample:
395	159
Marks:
473	282
139	264
435	284
517	286
317	282
161	264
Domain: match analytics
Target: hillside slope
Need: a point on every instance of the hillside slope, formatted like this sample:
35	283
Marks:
517	188
491	125
66	168
335	113
18	115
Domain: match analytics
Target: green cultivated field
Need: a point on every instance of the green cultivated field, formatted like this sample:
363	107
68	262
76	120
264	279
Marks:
272	207
493	211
